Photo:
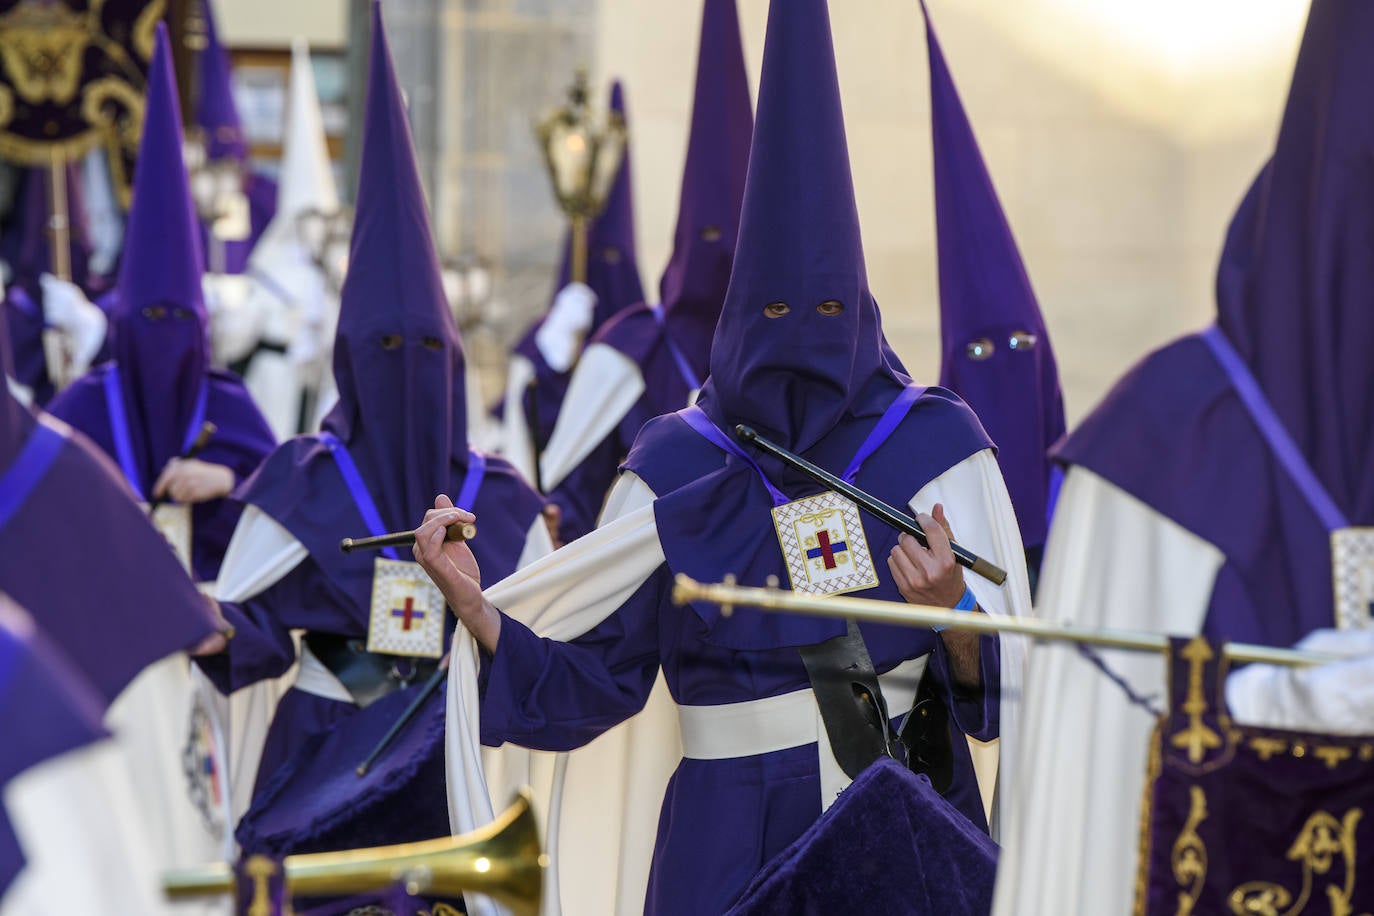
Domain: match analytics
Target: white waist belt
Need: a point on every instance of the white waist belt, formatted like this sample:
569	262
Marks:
314	678
777	723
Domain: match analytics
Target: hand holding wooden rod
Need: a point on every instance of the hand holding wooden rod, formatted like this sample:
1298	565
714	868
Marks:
463	531
876	507
207	432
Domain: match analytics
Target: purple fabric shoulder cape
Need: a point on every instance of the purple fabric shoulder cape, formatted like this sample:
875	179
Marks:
242	439
705	497
46	709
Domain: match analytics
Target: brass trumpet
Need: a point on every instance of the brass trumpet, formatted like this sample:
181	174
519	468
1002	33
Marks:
502	860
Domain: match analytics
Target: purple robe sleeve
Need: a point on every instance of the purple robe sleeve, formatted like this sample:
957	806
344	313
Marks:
582	493
262	647
557	696
975	710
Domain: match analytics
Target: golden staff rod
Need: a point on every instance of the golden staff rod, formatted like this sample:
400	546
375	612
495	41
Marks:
728	596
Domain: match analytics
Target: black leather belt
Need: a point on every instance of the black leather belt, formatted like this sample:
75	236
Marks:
367	676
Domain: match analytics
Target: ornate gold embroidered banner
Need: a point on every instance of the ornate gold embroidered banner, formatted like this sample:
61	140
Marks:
72	76
1241	820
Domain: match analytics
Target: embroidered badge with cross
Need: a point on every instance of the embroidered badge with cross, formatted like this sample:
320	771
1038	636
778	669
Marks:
822	540
1352	577
407	611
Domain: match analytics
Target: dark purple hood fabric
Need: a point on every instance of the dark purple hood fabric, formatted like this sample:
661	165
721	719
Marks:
995	348
398	362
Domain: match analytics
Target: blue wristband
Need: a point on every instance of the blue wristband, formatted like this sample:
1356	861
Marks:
967	602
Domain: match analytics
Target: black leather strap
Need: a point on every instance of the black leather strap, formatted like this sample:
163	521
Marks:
850	699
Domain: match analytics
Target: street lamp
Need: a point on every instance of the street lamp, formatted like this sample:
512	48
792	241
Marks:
582	154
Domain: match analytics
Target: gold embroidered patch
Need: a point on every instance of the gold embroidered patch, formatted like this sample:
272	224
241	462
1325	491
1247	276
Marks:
823	543
407	611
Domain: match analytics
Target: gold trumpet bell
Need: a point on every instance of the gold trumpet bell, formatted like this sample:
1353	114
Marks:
502	860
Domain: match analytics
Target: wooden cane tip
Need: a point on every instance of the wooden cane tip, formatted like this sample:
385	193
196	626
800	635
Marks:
346	545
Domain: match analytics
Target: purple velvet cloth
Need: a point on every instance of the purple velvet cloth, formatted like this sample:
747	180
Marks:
161	346
1293	288
987	304
723	819
316	802
889	844
694	282
1259	820
132	604
612	273
24	246
47	708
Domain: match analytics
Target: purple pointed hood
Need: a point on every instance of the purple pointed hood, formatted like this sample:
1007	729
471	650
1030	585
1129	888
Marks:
24	244
159	322
794	377
612	268
1296	279
398	360
216	113
693	285
995	349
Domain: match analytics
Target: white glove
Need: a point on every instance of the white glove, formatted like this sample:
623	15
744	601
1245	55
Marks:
66	308
1337	697
560	337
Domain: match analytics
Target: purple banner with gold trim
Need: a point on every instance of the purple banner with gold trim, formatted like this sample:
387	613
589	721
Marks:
1242	820
72	76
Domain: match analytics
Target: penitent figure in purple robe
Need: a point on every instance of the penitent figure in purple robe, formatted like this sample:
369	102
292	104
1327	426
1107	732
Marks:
397	436
652	358
147	405
572	646
1221	488
123	624
36	301
995	348
221	130
542	362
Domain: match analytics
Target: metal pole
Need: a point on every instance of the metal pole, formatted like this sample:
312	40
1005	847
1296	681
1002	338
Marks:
728	595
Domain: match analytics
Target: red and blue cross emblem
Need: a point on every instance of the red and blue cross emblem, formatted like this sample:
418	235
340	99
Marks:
408	614
827	551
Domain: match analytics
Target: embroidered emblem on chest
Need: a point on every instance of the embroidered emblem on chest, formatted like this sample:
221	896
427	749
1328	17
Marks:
822	540
202	763
407	611
1352	577
173	522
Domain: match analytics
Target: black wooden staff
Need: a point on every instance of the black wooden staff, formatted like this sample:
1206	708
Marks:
462	531
435	679
876	507
207	432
